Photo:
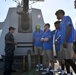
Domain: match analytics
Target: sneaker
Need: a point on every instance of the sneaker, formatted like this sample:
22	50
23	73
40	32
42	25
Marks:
47	71
37	67
62	74
70	73
59	70
52	72
41	67
50	68
44	72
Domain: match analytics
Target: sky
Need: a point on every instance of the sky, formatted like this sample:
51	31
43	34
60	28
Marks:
48	8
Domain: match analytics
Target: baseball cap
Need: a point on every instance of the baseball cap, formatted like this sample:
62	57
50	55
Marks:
38	26
12	28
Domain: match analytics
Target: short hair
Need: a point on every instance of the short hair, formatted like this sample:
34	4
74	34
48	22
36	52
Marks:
47	24
57	22
11	28
60	11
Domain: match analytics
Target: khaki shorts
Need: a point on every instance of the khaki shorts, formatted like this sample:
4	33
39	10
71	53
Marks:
47	55
67	53
38	50
60	56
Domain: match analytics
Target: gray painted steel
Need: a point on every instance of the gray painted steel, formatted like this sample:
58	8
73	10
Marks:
12	19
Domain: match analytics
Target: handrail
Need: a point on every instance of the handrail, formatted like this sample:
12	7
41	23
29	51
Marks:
25	42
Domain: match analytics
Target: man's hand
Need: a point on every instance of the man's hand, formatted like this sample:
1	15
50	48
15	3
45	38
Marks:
74	47
46	39
56	42
65	44
42	39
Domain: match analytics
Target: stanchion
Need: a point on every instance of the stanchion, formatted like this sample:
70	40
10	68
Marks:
29	59
23	67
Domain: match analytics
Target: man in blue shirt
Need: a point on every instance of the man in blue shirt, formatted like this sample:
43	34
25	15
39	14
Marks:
74	47
38	45
67	38
57	42
47	49
75	35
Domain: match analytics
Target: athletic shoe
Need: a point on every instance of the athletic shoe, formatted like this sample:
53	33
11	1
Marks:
59	70
39	67
70	73
62	74
47	71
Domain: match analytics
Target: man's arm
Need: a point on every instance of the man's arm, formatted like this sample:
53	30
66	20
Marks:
45	39
69	29
68	32
9	42
75	37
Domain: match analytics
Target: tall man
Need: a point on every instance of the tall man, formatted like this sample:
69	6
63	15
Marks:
74	47
9	51
38	46
47	49
67	38
57	47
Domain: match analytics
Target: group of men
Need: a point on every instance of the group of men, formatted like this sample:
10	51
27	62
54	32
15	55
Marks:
60	40
47	44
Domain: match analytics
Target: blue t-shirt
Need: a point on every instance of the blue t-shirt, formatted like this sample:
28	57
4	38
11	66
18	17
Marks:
57	34
66	21
37	36
48	45
75	36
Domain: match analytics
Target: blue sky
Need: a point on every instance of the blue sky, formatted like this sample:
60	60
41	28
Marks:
48	8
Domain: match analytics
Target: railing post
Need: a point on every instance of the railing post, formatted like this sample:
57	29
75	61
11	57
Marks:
23	67
29	59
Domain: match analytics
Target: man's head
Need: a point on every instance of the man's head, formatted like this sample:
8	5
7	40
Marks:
60	13
57	24
11	29
47	26
37	27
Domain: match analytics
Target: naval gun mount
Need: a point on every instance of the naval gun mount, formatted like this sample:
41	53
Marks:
25	26
24	16
24	20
